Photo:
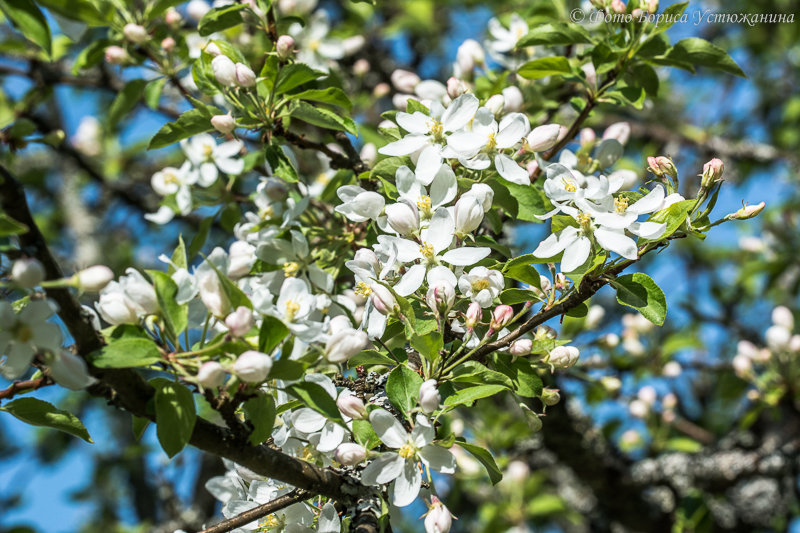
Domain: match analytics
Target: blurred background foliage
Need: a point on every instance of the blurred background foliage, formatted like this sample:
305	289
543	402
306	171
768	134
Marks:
717	448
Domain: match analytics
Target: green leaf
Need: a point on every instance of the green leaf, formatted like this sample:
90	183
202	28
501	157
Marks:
26	17
9	226
235	296
294	75
322	117
126	100
674	216
190	123
138	426
281	166
698	51
468	395
261	412
545	66
525	381
555	34
670	16
522	202
175	415
82	10
402	388
152	93
220	18
287	369
475	372
429	345
516	296
370	358
331	95
683	444
126	352
317	398
178	258
485	458
175	315
646	78
365	435
37	412
639	291
199	240
271	334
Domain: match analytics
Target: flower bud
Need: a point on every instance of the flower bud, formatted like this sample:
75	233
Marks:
742	365
495	104
27	272
212	49
483	193
94	278
652	6
563	356
647	394
353	44
521	347
594	316
501	316
469	55
474	312
350	453
618	6
139	291
245	76
532	168
352	406
620	131
562	282
404	80
591	75
383	299
197	9
637	13
116	55
240	322
778	338
513	99
223	123
70	371
438	519
345	344
468	213
455	87
212	294
611	383
782	316
550	397
429	397
638	408
712	173
794	346
670	401
661	166
284	47
211	375
168	44
441	296
252	366
369	154
543	137
241	257
403	217
381	90
544	283
361	67
172	17
747	211
587	136
116	308
135	33
224	70
672	369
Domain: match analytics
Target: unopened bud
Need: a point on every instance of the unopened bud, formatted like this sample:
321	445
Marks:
563	356
240	322
197	9
245	76
513	100
618	6
116	55
621	131
383	300
521	347
661	166
135	33
381	90
495	104
712	173
611	383
438	519
455	87
350	453
587	136
284	47
345	344
352	406
361	67
224	70
252	366
27	272
94	278
543	137
402	217
404	80
474	313
223	123
441	296
468	214
172	17
211	375
562	282
168	44
747	211
501	316
212	49
550	396
369	154
429	397
652	6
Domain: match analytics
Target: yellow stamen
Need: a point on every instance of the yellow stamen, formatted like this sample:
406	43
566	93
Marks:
407	451
480	284
270	522
569	185
267	213
314	45
620	204
424	203
362	289
292	308
23	333
323	178
208	150
492	142
290	269
436	130
584	220
427	251
171	178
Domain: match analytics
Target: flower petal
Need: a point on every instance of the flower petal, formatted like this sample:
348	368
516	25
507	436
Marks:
465	256
576	254
407	145
383	469
438	458
616	241
460	112
652	202
388	428
411	280
405	488
510	170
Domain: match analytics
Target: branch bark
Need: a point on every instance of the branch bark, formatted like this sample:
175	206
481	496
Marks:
259	512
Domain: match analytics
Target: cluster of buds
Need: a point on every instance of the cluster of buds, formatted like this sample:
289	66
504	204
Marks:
712	173
230	74
662	166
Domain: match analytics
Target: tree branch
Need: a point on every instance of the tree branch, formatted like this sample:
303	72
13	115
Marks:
259	512
29	385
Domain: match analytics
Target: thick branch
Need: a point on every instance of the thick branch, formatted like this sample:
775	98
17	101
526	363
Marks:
259	512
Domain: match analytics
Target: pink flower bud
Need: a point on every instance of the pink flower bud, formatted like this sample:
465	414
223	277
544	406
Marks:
381	90
438	519
474	313
284	47
429	397
621	131
532	167
27	272
501	316
563	356
168	44
618	6
383	299
455	87
652	6
172	17
637	13
712	172
94	278
116	55
252	366
748	211
361	67
240	322
135	33
224	70
223	123
661	166
521	347
352	406
211	375
543	137
350	454
441	296
245	76
404	80
587	136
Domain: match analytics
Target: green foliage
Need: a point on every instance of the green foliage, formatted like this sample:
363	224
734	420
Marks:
639	291
40	413
126	352
402	388
175	415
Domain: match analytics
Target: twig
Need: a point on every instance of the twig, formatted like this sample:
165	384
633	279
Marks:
259	512
25	386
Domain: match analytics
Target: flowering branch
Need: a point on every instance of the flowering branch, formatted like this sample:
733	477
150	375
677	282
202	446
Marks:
259	512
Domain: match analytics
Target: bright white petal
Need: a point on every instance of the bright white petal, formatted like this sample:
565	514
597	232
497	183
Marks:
460	112
510	170
388	428
652	202
576	254
411	280
405	488
438	458
383	469
407	145
618	242
465	256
